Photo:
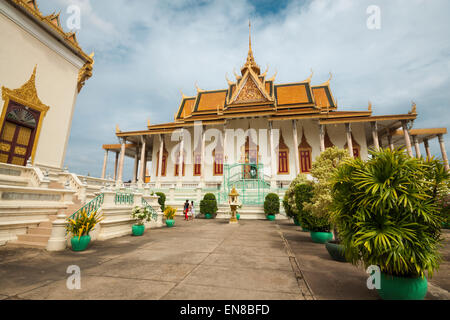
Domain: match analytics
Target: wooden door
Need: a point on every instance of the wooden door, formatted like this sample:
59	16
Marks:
15	143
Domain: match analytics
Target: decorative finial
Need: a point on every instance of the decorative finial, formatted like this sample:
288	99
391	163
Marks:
249	35
182	94
148	122
274	76
265	72
370	106
228	80
328	81
236	75
310	77
117	128
197	87
413	108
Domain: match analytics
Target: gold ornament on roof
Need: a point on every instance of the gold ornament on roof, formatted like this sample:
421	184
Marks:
250	63
370	106
26	94
413	108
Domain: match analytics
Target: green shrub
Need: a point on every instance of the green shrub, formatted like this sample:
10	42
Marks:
287	208
387	214
272	204
303	193
208	204
289	196
162	200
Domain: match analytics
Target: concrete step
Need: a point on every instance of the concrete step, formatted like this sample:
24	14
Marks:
35	238
55	185
40	231
45	224
27	244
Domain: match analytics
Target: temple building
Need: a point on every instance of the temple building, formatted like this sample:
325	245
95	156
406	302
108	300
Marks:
257	135
42	71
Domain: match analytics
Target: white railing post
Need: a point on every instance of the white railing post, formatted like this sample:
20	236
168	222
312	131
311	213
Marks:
58	241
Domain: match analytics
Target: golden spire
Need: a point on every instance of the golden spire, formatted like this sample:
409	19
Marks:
250	63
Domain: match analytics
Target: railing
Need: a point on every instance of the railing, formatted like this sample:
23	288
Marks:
150	208
92	206
124	198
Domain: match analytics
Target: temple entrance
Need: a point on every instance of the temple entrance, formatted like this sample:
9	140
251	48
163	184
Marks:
250	168
17	134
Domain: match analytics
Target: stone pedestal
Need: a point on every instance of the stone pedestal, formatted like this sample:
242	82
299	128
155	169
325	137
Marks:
57	241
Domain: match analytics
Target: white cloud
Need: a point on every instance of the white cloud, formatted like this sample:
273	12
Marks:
146	51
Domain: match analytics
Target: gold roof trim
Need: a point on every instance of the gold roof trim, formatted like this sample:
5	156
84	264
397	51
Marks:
31	7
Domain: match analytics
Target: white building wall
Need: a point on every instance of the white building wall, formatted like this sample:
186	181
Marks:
236	131
25	45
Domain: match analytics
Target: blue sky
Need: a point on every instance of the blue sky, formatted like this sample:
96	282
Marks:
147	51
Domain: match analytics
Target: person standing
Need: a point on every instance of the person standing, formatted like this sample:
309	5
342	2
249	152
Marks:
192	210
186	210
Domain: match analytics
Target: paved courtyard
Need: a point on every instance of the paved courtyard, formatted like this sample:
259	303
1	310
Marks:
201	259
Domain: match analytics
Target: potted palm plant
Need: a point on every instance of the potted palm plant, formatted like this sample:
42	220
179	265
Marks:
272	206
169	213
80	226
141	215
387	213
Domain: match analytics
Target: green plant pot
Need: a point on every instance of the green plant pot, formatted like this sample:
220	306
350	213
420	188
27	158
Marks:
305	230
238	216
170	223
401	288
208	216
138	230
296	222
271	217
321	237
80	244
336	251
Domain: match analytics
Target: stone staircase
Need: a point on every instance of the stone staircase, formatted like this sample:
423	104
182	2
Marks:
37	237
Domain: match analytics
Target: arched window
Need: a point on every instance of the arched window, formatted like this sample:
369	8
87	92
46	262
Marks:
177	165
305	153
218	162
164	163
356	148
197	164
283	157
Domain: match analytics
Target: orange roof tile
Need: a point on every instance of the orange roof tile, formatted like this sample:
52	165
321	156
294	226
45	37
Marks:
210	100
293	94
322	97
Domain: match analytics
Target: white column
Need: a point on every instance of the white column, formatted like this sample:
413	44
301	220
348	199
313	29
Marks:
297	160
121	161
105	160
225	153
348	132
391	143
202	175
407	138
417	147
116	166
135	168
273	160
181	159
376	142
427	148
160	157
142	166
443	151
322	137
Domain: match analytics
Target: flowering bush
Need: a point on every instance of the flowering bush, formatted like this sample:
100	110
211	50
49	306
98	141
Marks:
169	213
141	214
